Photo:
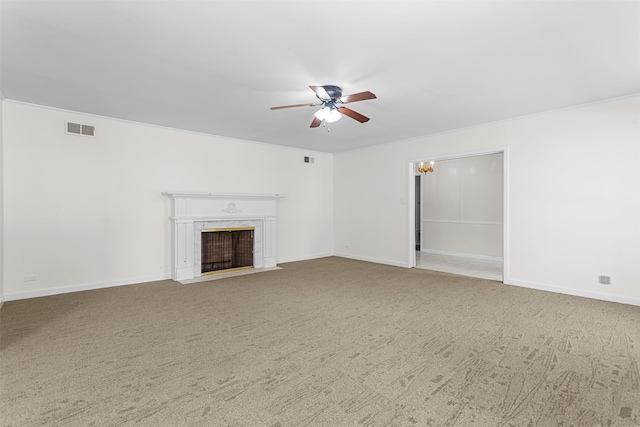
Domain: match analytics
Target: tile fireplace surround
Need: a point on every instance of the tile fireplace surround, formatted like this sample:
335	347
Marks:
191	212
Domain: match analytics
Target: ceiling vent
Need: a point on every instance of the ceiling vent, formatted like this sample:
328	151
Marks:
79	129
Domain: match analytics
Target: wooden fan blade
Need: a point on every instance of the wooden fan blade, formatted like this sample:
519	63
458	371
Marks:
356	116
361	96
315	123
321	92
293	106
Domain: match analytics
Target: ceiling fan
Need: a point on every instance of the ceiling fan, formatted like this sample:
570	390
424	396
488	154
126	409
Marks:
332	102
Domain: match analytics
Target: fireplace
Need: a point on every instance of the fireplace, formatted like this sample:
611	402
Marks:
194	214
226	249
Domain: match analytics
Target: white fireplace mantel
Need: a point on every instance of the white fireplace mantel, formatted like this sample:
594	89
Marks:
191	212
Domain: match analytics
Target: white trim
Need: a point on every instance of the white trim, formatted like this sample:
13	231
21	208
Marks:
519	283
505	213
603	296
304	258
460	155
153	125
462	254
101	285
411	216
374	260
224	196
488	124
422	233
85	287
455	221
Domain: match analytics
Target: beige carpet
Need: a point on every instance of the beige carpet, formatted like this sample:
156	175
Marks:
327	342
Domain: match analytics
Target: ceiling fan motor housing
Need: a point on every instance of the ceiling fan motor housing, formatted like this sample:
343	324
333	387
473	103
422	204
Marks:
334	92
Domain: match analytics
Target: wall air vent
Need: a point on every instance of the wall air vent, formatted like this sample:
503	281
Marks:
79	129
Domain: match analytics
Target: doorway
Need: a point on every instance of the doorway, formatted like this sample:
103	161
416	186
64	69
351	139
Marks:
458	215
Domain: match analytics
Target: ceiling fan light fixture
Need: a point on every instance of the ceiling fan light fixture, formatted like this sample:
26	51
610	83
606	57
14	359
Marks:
332	102
329	115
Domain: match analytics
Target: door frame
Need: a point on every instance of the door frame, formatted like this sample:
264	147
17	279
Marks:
417	182
411	201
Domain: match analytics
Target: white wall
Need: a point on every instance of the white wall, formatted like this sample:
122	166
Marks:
87	212
573	197
462	207
1	203
1	189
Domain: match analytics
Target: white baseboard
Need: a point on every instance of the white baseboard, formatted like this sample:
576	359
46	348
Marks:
304	258
78	288
375	260
542	287
575	292
462	254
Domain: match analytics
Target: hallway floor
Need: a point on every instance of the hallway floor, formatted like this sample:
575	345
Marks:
473	267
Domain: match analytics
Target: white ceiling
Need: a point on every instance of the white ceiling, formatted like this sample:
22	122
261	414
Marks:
217	66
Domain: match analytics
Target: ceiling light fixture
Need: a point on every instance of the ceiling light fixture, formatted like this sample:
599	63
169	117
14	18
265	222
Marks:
425	167
328	114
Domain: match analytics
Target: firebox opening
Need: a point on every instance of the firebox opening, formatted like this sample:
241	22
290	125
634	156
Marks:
226	249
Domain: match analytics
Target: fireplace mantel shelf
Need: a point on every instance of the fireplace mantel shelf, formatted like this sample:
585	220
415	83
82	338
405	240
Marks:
186	194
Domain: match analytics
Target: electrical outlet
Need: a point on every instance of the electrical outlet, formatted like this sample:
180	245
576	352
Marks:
604	280
30	278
